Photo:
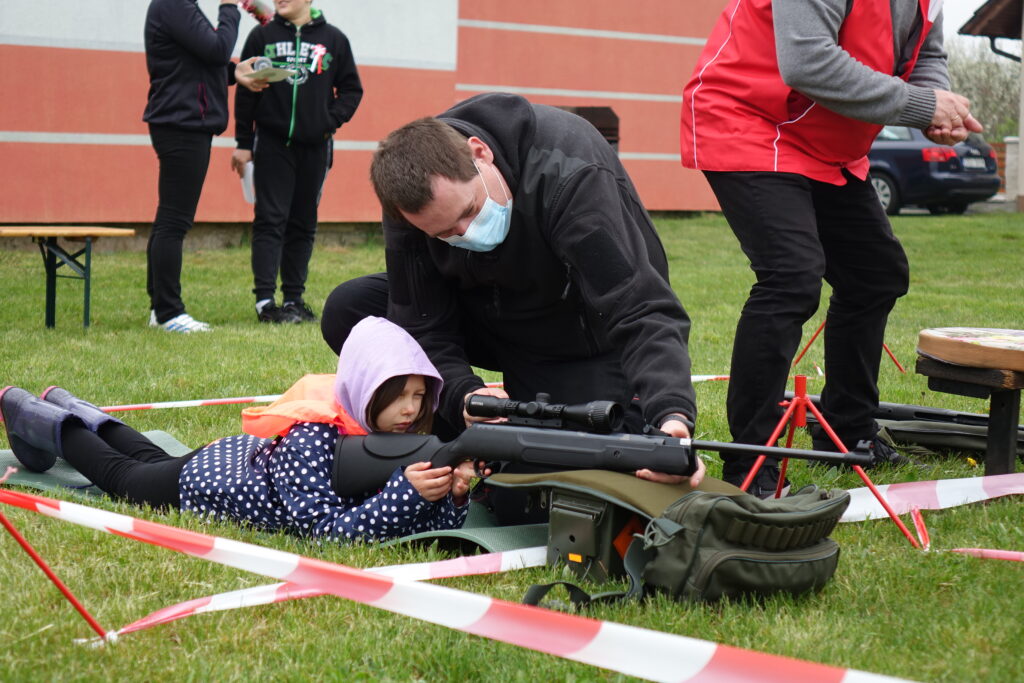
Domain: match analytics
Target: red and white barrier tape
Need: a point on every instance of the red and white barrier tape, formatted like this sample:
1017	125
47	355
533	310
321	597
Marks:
195	403
529	557
988	554
270	398
627	649
931	495
490	563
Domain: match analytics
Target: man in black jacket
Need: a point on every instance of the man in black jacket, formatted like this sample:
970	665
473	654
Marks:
516	242
287	132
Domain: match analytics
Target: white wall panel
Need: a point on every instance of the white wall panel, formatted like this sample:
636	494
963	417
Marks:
418	34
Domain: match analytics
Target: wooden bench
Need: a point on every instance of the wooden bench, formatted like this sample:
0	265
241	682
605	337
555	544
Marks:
980	363
54	256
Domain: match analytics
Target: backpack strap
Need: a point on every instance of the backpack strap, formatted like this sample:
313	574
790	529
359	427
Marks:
635	561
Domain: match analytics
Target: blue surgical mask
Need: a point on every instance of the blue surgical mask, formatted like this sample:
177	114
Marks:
490	227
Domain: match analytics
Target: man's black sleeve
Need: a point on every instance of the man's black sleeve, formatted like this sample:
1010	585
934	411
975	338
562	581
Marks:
600	229
422	302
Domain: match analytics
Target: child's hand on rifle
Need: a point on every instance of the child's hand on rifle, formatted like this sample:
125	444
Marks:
435	483
431	483
462	478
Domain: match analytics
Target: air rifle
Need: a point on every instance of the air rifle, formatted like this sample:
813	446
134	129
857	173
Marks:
545	434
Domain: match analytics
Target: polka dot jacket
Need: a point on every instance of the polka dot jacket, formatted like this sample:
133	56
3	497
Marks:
286	485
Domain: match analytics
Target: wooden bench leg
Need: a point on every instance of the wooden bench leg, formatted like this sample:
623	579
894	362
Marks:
1004	413
47	246
87	276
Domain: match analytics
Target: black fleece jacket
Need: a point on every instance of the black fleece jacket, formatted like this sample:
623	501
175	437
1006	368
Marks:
309	107
582	272
189	65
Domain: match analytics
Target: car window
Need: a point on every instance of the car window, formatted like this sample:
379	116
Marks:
895	133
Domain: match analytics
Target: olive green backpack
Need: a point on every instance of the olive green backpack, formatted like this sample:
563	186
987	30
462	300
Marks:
697	545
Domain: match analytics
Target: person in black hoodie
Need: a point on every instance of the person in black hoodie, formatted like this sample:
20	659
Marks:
515	241
286	131
190	68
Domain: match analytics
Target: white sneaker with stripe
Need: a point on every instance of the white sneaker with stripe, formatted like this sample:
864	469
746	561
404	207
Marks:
183	323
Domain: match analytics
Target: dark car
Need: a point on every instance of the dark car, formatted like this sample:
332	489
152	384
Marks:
909	169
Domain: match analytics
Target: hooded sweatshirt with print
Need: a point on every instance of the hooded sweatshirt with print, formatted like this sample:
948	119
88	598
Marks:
285	483
309	107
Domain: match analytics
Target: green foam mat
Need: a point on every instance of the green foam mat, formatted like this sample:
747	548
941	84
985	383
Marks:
63	476
479	531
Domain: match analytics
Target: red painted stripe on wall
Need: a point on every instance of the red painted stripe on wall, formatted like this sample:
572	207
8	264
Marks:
112	97
573	62
642	16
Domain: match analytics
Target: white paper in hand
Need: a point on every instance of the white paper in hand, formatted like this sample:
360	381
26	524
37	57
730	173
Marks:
248	189
273	74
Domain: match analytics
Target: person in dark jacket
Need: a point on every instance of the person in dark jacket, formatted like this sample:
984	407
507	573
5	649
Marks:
516	242
286	131
190	68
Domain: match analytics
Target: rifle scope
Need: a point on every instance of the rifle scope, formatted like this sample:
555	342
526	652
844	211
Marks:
600	417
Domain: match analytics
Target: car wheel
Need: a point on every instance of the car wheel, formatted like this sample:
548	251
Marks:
941	209
888	195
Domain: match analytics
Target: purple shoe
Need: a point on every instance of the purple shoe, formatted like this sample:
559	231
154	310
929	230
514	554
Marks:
93	417
33	428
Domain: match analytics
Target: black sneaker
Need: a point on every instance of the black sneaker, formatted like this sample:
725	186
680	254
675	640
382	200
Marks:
882	449
885	453
765	482
300	309
272	313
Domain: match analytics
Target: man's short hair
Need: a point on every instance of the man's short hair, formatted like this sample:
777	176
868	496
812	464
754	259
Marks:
409	157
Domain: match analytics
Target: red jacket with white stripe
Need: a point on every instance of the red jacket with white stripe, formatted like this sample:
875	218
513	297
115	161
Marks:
739	115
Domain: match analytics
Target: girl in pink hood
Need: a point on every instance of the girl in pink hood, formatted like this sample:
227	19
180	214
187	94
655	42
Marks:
281	481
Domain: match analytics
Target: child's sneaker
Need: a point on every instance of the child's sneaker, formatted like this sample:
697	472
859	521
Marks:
301	310
184	324
278	315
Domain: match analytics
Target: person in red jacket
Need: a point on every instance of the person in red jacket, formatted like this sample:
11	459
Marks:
779	114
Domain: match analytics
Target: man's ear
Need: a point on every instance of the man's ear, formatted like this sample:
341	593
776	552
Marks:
479	150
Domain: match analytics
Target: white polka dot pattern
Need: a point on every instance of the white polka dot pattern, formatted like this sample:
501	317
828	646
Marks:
285	485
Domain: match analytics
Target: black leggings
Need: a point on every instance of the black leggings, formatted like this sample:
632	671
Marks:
184	157
124	463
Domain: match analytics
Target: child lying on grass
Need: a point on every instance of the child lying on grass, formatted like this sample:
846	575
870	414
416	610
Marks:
384	383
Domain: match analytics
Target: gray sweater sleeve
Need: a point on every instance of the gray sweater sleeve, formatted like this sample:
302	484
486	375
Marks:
811	62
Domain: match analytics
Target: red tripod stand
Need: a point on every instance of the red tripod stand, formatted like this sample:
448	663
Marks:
818	331
796	416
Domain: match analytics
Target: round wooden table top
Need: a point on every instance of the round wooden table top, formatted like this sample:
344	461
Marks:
979	347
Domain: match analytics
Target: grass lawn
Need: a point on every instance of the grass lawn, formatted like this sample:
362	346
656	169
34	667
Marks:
890	609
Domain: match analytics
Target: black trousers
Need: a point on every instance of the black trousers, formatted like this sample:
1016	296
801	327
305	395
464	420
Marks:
288	181
567	380
124	463
797	231
184	158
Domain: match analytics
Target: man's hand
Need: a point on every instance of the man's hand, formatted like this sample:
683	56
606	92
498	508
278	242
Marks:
245	76
433	484
952	120
239	159
679	430
483	391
